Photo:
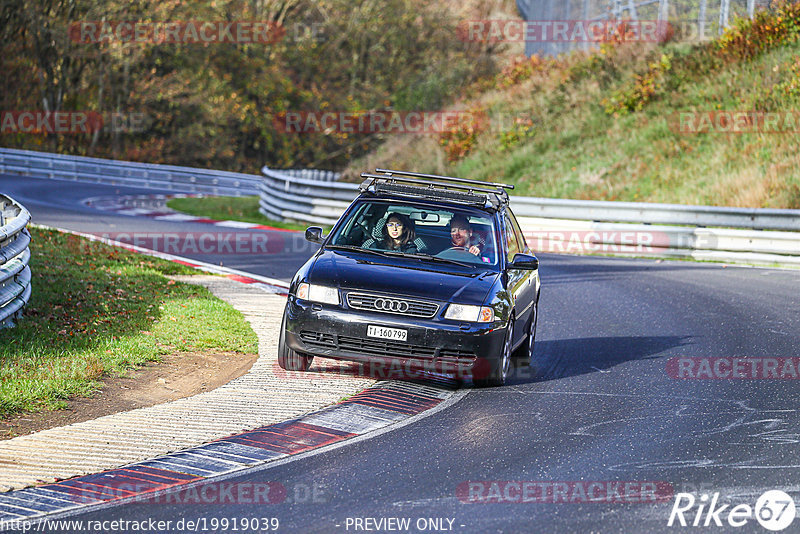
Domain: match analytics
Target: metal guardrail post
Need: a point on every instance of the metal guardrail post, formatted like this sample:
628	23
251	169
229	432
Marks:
15	273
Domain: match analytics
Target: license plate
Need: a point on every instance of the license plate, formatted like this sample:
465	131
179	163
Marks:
395	334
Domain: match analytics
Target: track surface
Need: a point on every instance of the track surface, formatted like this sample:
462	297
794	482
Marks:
600	407
60	204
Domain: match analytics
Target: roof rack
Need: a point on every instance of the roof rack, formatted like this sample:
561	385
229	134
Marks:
436	186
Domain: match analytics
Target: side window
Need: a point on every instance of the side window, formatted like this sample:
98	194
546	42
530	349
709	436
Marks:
523	245
512	245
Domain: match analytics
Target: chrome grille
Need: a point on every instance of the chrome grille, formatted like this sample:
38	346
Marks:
390	304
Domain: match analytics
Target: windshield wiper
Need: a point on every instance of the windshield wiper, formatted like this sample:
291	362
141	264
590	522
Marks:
426	257
441	260
365	250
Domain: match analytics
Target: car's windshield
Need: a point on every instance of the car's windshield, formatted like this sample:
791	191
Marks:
417	231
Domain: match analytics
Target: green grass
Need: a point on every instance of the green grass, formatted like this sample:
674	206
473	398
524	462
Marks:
574	147
99	311
244	209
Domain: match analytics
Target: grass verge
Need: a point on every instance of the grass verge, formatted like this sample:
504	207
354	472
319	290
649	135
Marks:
99	311
244	209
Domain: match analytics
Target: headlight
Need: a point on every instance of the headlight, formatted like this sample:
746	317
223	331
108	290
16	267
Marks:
470	314
315	293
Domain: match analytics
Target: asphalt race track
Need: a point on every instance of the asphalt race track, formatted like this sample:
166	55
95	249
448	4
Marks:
606	403
60	204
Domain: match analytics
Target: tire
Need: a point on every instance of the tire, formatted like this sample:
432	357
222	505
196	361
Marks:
288	359
499	366
524	353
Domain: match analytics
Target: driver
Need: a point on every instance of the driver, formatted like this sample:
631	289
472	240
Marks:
461	234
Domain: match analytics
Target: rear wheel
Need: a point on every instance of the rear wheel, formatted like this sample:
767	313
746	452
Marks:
524	353
289	359
500	366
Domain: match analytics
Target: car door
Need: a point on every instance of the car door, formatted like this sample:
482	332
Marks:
519	280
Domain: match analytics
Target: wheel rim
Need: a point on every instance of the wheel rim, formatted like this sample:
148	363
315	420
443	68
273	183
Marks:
532	333
507	352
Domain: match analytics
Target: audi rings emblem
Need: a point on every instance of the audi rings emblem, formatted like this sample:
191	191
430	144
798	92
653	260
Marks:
391	305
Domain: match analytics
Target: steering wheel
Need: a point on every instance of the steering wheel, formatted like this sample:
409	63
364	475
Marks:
353	237
457	253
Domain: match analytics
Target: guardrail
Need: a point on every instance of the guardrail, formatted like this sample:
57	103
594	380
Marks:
114	172
762	236
15	274
767	236
309	199
651	213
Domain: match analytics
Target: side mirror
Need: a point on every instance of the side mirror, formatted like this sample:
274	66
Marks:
314	234
525	261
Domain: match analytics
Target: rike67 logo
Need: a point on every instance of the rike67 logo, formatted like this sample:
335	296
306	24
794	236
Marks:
774	510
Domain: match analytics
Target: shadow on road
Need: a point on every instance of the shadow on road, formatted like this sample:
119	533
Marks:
570	357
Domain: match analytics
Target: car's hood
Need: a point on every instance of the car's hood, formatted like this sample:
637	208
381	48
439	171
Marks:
401	276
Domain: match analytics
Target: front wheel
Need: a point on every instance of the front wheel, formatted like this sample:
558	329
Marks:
288	359
500	366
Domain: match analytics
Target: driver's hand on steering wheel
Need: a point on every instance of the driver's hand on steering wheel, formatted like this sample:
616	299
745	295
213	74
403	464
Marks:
474	250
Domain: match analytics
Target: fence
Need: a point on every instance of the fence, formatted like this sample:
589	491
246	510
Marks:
15	275
697	19
762	236
114	172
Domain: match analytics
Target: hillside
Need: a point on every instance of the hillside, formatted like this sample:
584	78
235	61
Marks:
633	121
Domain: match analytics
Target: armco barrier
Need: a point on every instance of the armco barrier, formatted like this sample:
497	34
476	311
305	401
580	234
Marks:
113	172
311	199
15	274
767	236
650	213
760	236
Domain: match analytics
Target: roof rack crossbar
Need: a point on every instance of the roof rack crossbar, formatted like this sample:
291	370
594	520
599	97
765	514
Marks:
404	190
448	178
430	183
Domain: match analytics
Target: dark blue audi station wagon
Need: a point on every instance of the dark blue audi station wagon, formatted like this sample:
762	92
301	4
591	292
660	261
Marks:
422	273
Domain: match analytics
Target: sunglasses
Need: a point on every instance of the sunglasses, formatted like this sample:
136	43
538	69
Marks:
394	225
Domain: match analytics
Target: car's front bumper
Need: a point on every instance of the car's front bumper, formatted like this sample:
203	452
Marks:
433	345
